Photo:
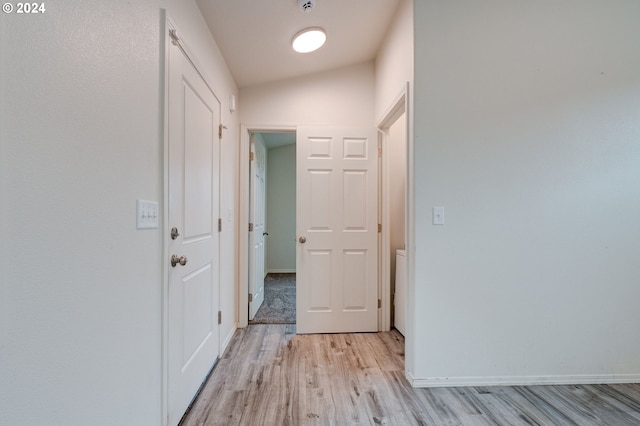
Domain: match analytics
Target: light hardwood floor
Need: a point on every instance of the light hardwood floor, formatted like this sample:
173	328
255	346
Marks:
270	376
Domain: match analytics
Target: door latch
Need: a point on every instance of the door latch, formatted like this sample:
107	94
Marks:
174	233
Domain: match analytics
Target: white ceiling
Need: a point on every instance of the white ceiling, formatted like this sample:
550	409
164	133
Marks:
255	35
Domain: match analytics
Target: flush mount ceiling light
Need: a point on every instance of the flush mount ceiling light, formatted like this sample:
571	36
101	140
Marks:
309	39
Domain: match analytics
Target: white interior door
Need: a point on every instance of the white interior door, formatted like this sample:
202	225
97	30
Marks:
193	293
256	237
337	229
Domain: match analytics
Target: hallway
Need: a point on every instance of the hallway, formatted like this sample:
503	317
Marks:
271	376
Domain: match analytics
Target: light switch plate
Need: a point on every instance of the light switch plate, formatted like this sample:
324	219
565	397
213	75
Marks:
438	215
147	214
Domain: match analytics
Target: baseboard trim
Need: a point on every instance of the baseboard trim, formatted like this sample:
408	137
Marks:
227	339
587	379
281	271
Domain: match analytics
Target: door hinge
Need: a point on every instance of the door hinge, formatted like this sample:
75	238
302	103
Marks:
219	317
174	37
220	127
379	303
379	227
219	224
250	297
379	152
251	156
251	227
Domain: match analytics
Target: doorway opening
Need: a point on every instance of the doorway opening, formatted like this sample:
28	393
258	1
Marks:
248	137
277	275
395	215
353	217
396	207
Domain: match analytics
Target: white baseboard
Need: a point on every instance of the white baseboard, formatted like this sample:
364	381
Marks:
281	271
587	379
227	339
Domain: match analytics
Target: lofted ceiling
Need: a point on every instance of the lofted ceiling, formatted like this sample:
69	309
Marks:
254	36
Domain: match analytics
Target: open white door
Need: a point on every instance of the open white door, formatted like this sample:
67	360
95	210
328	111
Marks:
193	293
257	227
337	230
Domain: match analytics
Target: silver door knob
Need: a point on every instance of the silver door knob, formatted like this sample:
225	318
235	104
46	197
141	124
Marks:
303	240
182	260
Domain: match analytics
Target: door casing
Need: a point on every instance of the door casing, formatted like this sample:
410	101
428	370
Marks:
244	214
400	106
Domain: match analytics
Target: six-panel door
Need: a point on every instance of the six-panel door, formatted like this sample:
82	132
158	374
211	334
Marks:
337	218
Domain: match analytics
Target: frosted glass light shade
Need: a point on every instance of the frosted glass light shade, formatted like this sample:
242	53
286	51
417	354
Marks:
309	39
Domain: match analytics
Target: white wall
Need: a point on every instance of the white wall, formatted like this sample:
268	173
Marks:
526	130
339	97
281	209
393	70
81	300
81	288
394	62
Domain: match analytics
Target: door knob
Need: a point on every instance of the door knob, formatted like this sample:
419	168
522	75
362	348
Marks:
303	240
265	234
182	260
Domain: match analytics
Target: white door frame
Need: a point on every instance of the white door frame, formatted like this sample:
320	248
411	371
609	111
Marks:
243	213
397	108
164	27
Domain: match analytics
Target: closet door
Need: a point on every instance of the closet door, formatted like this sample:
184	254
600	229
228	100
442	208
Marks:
193	292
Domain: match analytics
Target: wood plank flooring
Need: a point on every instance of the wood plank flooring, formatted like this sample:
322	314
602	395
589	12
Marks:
270	376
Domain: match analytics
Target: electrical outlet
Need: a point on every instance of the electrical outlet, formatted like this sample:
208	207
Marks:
147	214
